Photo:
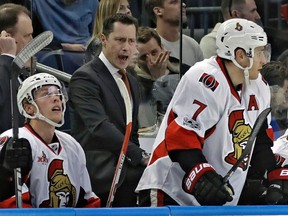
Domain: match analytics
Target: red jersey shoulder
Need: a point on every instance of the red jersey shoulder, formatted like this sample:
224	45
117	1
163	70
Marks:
3	140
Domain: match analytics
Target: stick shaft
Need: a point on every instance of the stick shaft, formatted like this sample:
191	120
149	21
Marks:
22	57
121	159
18	187
15	123
57	73
119	166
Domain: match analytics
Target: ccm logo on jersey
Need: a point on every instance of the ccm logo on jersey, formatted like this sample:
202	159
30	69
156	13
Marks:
209	81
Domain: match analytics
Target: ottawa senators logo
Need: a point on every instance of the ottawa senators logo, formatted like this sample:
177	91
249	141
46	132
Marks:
238	27
61	192
209	81
240	134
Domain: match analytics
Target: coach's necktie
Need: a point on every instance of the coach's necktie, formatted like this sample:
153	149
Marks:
125	80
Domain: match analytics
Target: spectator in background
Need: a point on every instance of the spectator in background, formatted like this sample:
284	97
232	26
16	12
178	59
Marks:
245	9
153	63
16	32
97	108
21	2
137	10
166	15
106	8
125	7
276	74
283	57
71	21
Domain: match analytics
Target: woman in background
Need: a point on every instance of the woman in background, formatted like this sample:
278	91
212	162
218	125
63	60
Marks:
106	8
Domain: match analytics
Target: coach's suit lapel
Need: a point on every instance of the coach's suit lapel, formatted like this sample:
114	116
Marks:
110	83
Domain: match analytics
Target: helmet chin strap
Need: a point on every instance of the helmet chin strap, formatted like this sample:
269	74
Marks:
245	70
40	116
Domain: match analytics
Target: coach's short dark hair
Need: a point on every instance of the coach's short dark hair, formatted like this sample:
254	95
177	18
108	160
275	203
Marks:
108	25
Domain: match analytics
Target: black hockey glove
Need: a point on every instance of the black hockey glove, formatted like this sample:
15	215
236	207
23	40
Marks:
207	186
13	155
16	154
277	192
253	192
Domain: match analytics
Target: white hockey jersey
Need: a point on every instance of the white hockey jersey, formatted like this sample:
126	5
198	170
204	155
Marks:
281	147
208	113
58	177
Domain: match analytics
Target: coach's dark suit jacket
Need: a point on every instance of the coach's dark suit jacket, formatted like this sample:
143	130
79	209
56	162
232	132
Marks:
98	122
5	95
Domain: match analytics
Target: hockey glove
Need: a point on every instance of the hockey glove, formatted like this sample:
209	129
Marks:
253	192
207	186
13	155
16	154
277	192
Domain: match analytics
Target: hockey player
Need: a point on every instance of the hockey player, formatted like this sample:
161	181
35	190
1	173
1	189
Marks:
53	163
207	125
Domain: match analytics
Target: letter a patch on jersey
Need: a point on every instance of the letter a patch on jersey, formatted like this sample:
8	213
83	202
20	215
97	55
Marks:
209	81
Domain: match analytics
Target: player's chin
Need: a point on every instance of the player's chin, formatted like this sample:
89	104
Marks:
56	118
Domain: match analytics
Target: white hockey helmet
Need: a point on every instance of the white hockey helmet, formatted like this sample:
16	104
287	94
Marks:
26	90
239	33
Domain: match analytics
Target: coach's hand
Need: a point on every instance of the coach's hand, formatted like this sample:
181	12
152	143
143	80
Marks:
207	186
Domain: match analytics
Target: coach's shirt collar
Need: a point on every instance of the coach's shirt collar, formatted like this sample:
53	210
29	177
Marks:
113	70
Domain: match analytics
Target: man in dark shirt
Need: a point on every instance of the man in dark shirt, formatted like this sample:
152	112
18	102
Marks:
16	32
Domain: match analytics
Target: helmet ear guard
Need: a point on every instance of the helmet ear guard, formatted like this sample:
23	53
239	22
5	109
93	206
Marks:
25	92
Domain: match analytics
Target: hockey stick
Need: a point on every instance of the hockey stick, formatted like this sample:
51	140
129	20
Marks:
18	63
250	143
57	73
181	39
121	159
